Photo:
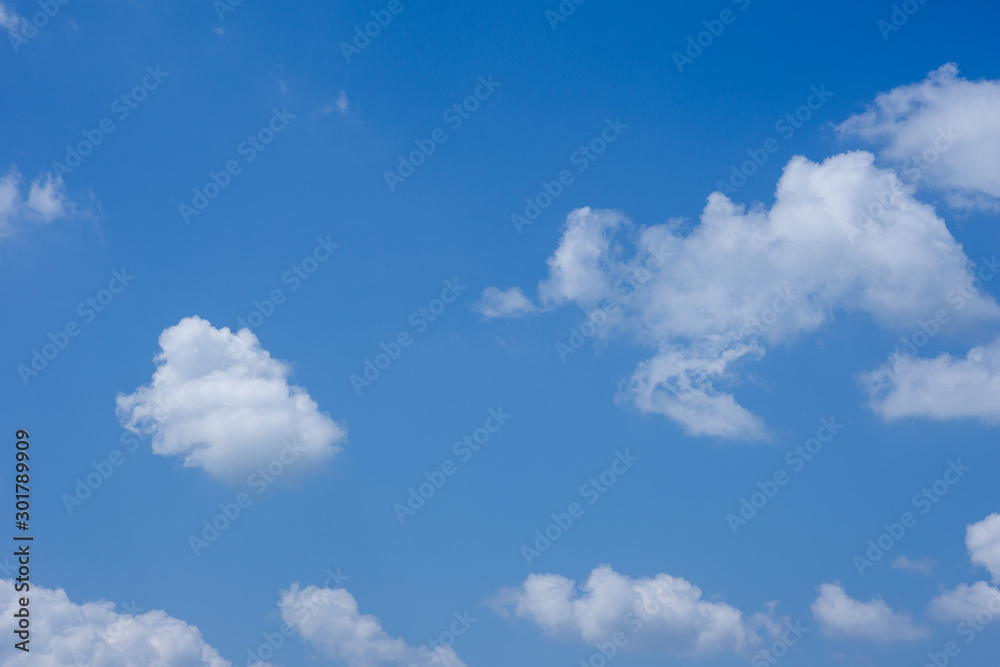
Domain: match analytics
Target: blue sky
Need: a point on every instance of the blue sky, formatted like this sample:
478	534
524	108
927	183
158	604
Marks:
483	309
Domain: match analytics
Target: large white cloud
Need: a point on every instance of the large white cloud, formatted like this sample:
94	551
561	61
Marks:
329	619
842	616
662	615
841	235
916	122
64	633
940	388
46	199
983	542
222	403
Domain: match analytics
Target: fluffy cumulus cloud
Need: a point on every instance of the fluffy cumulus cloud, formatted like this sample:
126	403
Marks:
222	403
944	130
64	633
842	616
711	298
329	619
45	200
944	387
983	542
661	615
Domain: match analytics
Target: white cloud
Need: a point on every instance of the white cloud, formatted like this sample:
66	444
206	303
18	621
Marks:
330	620
709	299
662	615
940	388
46	201
220	401
843	616
922	566
912	120
964	602
9	196
342	104
983	542
64	633
9	20
505	303
677	383
982	539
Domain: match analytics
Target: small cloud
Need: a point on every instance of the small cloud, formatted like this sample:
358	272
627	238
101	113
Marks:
329	619
342	105
679	620
941	388
983	542
964	602
843	616
219	401
922	566
46	201
943	131
9	20
511	302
